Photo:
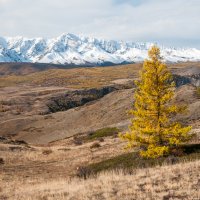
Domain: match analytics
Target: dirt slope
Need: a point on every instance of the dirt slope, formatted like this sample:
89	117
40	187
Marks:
108	111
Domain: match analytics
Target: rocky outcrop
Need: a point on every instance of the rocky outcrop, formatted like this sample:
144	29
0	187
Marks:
77	98
183	80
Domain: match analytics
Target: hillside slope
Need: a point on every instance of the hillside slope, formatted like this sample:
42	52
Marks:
45	106
168	182
111	110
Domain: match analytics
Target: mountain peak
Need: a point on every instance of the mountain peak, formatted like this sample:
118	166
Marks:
69	48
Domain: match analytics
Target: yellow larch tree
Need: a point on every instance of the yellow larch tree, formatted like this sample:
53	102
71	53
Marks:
152	128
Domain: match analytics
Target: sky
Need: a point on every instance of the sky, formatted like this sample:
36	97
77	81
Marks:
168	22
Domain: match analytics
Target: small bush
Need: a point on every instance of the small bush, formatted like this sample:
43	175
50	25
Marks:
105	132
97	135
171	160
198	92
15	148
77	141
3	108
64	149
20	142
1	161
177	152
19	110
83	172
101	140
95	145
47	152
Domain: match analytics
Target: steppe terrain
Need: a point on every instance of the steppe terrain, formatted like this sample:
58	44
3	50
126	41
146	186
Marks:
60	125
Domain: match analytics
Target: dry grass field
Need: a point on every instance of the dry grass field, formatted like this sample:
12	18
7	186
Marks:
74	78
168	182
180	181
50	172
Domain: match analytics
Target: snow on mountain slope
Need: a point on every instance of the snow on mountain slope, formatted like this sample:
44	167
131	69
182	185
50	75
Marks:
72	49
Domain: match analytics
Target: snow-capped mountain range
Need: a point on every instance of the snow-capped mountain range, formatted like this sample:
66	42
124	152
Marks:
81	50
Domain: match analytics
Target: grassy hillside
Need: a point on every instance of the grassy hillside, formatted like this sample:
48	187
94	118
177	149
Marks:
87	77
180	181
76	78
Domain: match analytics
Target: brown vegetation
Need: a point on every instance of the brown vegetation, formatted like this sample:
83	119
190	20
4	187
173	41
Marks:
180	181
92	77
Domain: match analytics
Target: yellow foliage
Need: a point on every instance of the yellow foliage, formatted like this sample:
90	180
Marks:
154	151
152	129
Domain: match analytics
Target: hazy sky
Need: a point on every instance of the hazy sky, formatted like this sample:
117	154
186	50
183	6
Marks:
170	22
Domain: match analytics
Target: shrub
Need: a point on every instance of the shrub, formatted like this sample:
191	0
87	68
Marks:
3	108
83	172
1	161
96	135
19	110
47	152
198	92
101	140
77	141
104	132
95	145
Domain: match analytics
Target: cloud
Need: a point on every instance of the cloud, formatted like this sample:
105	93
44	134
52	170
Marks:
4	1
131	2
171	22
